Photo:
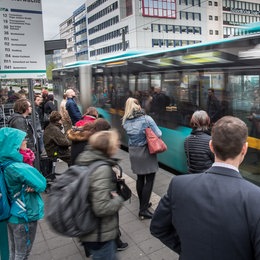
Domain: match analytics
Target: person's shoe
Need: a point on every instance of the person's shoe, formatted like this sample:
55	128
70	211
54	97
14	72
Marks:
122	246
145	214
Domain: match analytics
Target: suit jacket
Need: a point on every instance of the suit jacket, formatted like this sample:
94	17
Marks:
210	216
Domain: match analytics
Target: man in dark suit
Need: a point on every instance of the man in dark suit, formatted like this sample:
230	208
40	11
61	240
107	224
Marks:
216	214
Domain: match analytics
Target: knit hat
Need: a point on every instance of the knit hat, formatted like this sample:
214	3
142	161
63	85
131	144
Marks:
55	116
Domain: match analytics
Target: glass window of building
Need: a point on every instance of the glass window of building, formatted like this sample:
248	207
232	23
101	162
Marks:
177	28
183	29
158	8
155	27
190	29
210	3
216	18
210	17
215	3
216	32
210	32
170	28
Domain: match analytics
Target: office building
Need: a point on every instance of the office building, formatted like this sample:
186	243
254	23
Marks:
106	28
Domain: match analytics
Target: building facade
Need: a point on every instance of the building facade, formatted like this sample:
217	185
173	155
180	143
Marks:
67	32
80	33
105	28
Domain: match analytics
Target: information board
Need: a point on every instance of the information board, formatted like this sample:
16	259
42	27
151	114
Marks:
22	53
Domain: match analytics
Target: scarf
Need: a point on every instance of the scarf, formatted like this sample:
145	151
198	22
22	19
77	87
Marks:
28	156
137	113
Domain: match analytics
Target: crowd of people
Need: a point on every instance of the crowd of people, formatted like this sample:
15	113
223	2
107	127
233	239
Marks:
210	213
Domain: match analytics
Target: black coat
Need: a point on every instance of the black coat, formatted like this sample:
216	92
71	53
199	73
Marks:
199	156
18	121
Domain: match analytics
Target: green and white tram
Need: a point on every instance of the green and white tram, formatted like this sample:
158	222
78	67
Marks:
230	66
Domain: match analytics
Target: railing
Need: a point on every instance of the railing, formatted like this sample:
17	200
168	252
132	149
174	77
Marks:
6	111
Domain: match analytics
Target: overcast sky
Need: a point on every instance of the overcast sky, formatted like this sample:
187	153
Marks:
54	12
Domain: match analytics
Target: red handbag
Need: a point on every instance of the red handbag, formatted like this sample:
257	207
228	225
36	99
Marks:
155	143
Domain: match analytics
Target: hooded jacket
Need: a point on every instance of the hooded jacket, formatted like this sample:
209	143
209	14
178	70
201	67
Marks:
79	138
102	182
19	173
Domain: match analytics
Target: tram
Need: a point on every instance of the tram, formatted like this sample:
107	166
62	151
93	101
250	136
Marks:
183	76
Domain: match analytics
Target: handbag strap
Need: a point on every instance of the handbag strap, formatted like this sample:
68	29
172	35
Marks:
148	125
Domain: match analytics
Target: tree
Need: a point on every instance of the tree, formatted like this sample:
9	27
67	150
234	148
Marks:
50	67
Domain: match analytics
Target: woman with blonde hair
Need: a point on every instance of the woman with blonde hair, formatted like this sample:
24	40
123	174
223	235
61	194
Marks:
196	145
143	164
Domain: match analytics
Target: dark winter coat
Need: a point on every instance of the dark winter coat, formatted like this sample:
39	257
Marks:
18	121
199	156
79	140
73	110
56	143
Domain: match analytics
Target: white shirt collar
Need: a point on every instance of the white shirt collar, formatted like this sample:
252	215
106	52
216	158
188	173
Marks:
226	165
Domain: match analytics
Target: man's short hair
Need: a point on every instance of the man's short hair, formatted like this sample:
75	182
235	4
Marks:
55	116
229	134
21	105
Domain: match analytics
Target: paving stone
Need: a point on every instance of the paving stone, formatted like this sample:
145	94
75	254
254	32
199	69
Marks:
65	251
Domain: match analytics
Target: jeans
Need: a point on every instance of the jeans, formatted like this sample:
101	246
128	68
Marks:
20	240
144	187
106	252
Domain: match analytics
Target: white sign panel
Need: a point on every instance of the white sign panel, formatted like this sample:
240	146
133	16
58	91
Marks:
22	53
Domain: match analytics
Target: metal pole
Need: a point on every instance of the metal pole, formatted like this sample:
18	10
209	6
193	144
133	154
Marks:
31	98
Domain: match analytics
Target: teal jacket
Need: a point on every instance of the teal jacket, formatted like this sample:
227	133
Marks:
19	173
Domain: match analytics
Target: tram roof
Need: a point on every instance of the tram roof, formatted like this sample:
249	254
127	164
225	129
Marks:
197	54
226	52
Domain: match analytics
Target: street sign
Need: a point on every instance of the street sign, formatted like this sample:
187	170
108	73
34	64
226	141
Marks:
22	52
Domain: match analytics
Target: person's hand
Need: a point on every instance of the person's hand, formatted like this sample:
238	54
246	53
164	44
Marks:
29	189
114	194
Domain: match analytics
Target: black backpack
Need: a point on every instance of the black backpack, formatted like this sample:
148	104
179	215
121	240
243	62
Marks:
68	209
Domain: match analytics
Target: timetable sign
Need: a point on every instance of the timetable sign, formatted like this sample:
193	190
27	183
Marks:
22	53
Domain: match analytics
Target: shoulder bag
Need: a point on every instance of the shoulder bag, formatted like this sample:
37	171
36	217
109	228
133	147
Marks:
155	143
122	189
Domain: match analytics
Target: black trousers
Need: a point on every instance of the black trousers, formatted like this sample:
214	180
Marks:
144	187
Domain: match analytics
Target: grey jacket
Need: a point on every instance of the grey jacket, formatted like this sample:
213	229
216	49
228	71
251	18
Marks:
102	182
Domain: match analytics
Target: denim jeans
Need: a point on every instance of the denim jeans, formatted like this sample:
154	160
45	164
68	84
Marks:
20	240
106	252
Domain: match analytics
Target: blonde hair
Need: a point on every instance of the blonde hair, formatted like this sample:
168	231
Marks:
131	105
105	141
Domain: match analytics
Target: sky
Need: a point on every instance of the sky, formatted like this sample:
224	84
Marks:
54	12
